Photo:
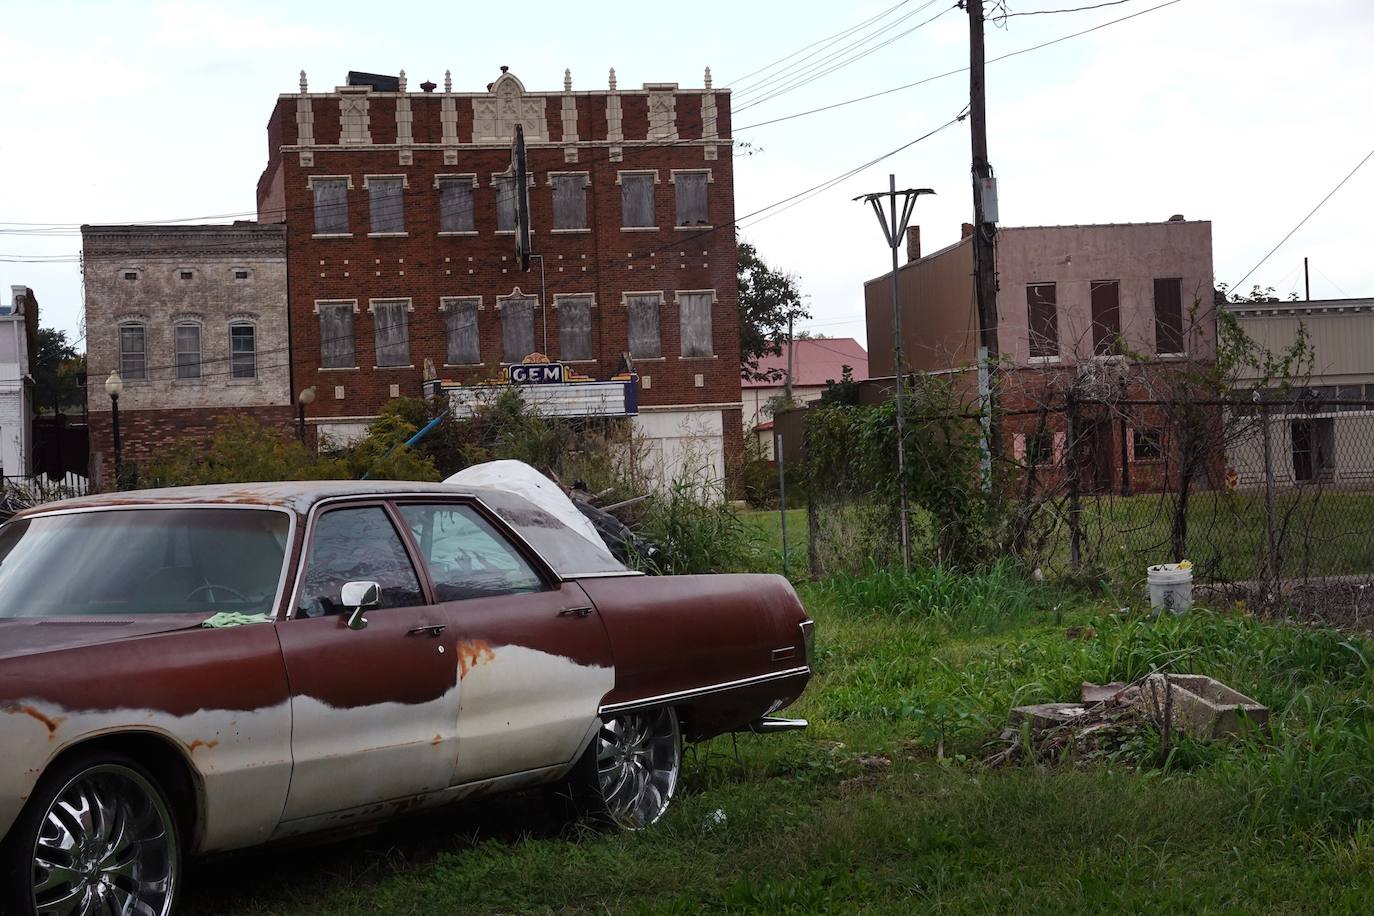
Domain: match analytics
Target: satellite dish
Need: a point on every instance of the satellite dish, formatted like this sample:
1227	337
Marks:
522	201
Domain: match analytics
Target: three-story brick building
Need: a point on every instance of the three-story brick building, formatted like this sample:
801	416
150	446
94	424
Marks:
400	216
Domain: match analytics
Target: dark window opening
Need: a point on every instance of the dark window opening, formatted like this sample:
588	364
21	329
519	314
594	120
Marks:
1169	315
1043	320
1106	314
1147	444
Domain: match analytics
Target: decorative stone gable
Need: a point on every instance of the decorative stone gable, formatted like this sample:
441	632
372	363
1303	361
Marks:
353	124
663	114
494	118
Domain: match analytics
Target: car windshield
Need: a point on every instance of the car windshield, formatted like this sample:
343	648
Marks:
142	561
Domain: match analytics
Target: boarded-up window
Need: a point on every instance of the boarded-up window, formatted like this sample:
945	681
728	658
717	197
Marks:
691	198
505	203
460	326
133	351
570	201
1106	306
1042	320
331	206
188	350
575	328
243	351
336	336
642	317
517	329
1169	315
392	331
637	200
455	205
386	196
695	314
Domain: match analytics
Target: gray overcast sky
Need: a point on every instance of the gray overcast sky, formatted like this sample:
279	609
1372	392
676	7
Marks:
1242	113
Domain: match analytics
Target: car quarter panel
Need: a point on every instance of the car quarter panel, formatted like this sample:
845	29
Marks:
218	696
729	646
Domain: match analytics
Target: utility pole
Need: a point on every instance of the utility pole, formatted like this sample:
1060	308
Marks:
1306	281
787	386
984	227
894	230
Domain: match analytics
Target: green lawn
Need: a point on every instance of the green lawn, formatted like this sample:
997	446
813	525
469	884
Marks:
857	814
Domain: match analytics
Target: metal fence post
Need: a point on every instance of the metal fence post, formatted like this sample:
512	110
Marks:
782	495
1075	485
1271	557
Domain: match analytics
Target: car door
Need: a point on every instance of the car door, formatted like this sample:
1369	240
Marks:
534	660
373	709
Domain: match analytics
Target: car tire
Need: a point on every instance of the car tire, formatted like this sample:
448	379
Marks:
627	776
97	828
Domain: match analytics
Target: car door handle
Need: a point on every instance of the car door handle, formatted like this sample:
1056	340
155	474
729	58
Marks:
433	629
575	612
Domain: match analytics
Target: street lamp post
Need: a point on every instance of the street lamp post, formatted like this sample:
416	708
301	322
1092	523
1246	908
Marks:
114	386
894	223
306	397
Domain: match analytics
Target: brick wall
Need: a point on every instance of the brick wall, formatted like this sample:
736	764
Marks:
150	436
604	261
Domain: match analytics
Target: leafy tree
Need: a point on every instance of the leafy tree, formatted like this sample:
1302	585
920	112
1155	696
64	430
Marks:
57	369
768	300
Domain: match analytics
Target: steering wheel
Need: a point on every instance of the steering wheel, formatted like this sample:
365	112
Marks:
209	585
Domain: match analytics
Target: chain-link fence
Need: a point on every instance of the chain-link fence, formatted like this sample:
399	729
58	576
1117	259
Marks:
1272	502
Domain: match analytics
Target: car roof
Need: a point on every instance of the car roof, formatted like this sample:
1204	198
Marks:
295	495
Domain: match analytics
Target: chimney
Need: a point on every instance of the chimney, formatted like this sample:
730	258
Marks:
913	243
967	231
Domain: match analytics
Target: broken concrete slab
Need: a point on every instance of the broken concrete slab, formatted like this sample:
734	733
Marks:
1047	715
1201	706
1117	693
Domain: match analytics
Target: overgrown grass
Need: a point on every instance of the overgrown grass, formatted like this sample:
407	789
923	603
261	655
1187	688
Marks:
882	807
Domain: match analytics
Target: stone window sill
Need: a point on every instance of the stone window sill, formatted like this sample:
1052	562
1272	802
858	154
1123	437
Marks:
1043	360
649	359
638	228
690	358
464	365
702	226
453	233
570	231
384	368
338	369
388	235
332	235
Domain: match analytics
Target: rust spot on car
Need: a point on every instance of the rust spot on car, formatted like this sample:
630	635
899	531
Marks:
196	744
50	722
472	653
437	740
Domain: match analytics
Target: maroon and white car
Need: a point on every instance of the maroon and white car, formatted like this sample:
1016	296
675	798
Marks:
202	669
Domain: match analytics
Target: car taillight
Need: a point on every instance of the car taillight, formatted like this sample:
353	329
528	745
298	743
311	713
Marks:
808	628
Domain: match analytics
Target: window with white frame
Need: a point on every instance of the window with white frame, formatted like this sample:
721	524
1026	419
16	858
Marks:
243	350
691	198
517	328
391	328
505	202
337	350
455	203
569	200
637	199
461	329
574	327
694	313
133	351
642	318
386	198
331	205
188	350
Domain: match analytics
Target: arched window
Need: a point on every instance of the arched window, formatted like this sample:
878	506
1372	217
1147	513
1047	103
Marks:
188	350
133	351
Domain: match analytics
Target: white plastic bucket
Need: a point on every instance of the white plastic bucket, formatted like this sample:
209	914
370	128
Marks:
1171	587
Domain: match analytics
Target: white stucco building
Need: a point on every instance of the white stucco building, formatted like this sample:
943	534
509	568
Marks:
18	337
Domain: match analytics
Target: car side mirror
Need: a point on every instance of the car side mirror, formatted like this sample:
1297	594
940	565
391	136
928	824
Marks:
358	597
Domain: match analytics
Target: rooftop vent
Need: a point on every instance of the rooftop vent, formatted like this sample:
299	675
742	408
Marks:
377	82
1176	218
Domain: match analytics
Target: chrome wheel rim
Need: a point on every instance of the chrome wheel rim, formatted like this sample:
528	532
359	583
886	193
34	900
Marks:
106	846
637	762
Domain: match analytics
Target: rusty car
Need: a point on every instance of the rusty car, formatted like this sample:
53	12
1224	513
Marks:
193	670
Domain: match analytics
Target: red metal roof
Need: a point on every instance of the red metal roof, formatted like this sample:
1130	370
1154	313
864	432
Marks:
816	361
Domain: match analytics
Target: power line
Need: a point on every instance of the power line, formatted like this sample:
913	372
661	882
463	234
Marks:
1076	9
1303	221
742	81
948	73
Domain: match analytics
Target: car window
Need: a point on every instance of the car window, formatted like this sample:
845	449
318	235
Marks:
142	561
467	557
356	545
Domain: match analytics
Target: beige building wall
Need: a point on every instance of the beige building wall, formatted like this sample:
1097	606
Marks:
939	314
1074	257
134	275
